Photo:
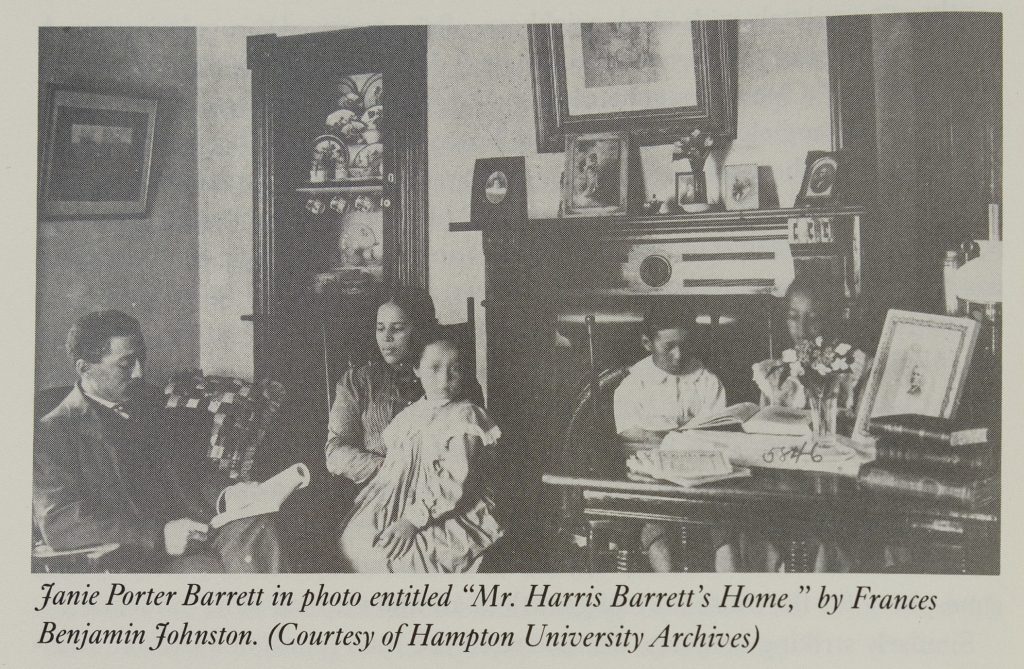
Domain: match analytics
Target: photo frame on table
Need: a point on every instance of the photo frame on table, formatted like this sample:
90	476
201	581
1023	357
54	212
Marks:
740	187
920	367
824	179
658	80
686	189
597	168
97	155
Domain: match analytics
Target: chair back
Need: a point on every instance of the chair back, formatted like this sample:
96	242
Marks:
590	431
232	415
464	335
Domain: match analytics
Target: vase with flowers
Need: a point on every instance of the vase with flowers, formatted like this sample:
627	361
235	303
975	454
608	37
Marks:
820	366
695	147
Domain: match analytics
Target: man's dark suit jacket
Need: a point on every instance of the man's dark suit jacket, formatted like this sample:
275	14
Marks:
101	478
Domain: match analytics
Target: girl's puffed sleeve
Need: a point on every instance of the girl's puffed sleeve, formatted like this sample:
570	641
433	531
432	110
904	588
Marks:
454	443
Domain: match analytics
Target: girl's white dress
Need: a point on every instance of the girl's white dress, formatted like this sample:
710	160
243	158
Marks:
431	476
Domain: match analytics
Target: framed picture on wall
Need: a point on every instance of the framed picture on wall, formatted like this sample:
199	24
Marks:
920	367
97	154
596	174
657	80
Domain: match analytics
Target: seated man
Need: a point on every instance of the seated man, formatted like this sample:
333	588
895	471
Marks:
107	468
662	393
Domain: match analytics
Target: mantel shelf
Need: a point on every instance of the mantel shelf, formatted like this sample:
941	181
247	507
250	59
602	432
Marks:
680	220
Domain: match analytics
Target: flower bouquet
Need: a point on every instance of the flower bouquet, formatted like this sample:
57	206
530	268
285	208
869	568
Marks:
820	367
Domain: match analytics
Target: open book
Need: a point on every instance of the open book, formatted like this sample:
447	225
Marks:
755	420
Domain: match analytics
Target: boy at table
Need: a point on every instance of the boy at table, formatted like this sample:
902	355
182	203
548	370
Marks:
662	393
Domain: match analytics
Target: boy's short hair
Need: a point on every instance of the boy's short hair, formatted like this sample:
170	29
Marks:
662	316
89	338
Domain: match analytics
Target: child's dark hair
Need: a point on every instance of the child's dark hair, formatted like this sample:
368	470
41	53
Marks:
827	299
439	338
663	316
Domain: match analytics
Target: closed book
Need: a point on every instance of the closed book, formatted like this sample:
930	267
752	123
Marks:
975	458
918	483
927	430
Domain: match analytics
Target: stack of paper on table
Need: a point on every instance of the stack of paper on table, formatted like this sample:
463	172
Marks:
842	457
687	467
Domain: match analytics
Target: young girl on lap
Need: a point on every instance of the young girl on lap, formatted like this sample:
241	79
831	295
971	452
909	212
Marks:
428	509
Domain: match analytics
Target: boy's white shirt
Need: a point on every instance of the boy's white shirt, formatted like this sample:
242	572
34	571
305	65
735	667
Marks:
655	400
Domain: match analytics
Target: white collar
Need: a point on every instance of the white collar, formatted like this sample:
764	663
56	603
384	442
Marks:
98	400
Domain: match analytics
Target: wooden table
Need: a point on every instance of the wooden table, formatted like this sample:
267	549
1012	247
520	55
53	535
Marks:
797	510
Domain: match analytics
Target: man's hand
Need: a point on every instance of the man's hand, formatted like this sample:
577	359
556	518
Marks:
397	538
178	533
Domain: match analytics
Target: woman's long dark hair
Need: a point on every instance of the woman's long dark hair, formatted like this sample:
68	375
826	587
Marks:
418	307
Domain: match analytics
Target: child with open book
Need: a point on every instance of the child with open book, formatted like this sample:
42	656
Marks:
662	393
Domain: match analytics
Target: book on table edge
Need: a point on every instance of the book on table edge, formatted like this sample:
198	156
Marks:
913	428
970	491
974	458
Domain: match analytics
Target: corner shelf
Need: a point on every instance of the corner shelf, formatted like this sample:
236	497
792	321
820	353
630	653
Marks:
347	186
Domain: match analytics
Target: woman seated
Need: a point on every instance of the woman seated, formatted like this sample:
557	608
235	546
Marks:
368	397
428	509
811	311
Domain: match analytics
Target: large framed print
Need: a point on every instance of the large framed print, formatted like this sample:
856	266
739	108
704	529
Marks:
920	367
97	154
657	80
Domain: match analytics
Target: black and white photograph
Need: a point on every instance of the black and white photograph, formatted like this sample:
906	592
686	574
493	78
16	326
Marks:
309	352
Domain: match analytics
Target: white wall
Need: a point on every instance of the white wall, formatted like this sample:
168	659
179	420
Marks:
481	105
225	196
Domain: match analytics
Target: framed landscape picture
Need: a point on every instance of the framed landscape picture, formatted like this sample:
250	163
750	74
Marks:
97	155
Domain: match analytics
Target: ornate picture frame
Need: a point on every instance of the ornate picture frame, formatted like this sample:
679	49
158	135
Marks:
597	167
920	367
824	180
97	155
571	75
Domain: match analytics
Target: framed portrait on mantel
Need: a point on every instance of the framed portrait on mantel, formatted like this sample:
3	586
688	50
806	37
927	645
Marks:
920	367
656	80
97	154
596	179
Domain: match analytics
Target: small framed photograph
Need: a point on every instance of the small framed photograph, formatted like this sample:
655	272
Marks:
920	367
686	189
822	182
97	154
740	187
596	174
